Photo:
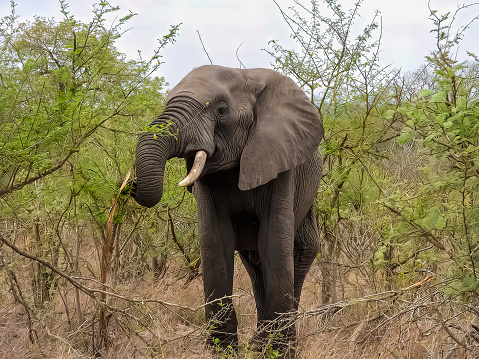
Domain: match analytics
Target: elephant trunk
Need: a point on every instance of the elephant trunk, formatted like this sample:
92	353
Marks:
152	152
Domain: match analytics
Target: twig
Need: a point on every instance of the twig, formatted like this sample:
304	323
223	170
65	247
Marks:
18	296
92	291
376	297
237	56
202	44
62	340
448	331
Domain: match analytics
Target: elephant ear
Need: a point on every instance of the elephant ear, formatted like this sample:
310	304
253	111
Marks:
287	130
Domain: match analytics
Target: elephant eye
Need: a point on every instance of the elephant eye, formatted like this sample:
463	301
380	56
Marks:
222	109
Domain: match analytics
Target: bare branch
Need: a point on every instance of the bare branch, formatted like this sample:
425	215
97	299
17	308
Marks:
204	49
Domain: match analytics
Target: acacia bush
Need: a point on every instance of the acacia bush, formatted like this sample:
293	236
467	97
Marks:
441	215
71	108
397	204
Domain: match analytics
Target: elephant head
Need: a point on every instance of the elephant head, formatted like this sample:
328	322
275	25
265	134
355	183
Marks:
221	118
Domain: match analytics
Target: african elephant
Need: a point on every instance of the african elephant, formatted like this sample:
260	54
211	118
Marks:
250	140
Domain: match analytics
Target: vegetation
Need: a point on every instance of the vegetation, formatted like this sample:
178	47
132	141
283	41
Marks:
86	272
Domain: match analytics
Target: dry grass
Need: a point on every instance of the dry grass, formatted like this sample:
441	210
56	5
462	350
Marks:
408	325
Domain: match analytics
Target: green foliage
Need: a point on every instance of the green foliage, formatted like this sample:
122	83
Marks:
61	83
400	179
70	99
72	106
330	55
445	121
444	212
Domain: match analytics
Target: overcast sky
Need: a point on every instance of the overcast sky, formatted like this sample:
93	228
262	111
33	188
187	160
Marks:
224	25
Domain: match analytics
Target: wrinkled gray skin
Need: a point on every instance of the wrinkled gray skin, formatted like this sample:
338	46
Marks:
255	194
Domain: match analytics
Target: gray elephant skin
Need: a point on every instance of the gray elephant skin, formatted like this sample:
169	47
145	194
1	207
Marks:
250	139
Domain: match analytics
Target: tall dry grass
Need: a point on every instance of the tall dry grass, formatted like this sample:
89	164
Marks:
412	322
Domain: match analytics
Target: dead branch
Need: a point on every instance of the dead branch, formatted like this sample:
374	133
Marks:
204	48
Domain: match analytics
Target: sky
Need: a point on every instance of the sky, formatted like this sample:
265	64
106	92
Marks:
228	27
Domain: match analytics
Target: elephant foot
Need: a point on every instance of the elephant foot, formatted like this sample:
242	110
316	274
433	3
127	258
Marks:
272	343
225	344
222	328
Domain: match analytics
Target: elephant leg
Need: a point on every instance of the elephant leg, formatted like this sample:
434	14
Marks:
216	238
217	265
276	250
252	263
306	247
277	329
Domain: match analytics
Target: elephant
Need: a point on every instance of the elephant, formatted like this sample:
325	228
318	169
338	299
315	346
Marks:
250	139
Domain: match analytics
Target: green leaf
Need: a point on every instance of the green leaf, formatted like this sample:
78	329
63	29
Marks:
425	93
405	137
433	220
438	97
440	223
389	114
447	124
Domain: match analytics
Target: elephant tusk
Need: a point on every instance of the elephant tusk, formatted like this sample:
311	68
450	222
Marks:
198	165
